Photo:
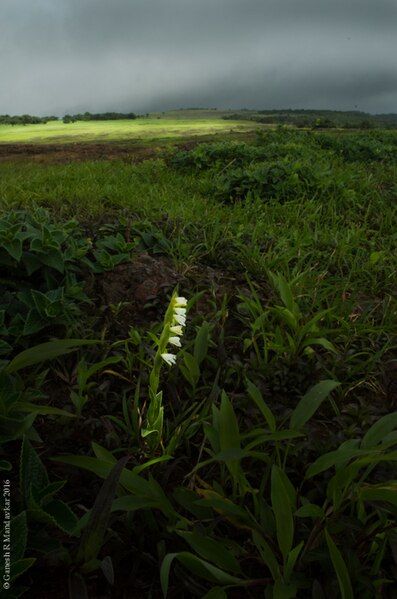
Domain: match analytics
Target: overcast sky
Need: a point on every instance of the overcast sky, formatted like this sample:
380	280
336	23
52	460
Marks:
60	56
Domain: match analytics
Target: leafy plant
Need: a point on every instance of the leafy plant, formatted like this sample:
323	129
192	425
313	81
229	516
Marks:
19	404
282	331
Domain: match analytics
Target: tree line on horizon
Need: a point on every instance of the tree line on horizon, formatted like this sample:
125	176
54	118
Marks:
28	119
301	118
317	119
100	116
25	119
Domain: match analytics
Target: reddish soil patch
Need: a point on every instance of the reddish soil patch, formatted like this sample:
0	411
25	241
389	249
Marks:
140	289
129	151
63	153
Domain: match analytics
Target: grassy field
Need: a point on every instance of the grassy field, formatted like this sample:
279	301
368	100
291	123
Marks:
261	463
142	129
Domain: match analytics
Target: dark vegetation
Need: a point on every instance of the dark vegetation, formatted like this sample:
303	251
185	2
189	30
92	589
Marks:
319	119
25	119
102	116
28	119
262	464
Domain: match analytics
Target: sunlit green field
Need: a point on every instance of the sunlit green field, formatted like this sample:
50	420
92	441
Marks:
141	129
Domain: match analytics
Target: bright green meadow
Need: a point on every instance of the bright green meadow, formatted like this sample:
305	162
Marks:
146	129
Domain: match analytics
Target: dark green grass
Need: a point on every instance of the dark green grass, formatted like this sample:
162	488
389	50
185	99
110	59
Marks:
347	234
337	242
226	217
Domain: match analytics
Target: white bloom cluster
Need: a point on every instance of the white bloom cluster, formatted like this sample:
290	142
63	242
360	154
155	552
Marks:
178	321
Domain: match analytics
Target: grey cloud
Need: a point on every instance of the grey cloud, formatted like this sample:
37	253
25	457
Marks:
66	55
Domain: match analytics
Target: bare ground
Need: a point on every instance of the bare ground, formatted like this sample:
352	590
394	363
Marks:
129	151
63	153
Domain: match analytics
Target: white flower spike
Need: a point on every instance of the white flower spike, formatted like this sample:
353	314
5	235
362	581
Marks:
169	358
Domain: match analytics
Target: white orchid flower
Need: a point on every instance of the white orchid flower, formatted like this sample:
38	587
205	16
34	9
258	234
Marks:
175	341
180	311
180	302
176	330
180	319
169	358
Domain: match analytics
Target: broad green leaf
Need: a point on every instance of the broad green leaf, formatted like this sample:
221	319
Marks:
94	533
310	510
325	343
384	492
5	347
216	593
44	410
283	512
187	499
284	290
287	316
15	428
310	403
131	482
55	513
256	396
102	453
20	566
201	342
379	430
226	508
212	550
85	372
281	590
77	586
47	492
190	368
340	568
46	351
33	475
131	503
14	248
149	463
228	426
19	534
65	519
333	458
229	436
198	567
266	554
289	487
311	325
291	561
277	436
165	572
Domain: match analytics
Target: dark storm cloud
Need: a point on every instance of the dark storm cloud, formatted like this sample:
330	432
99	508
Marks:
69	55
